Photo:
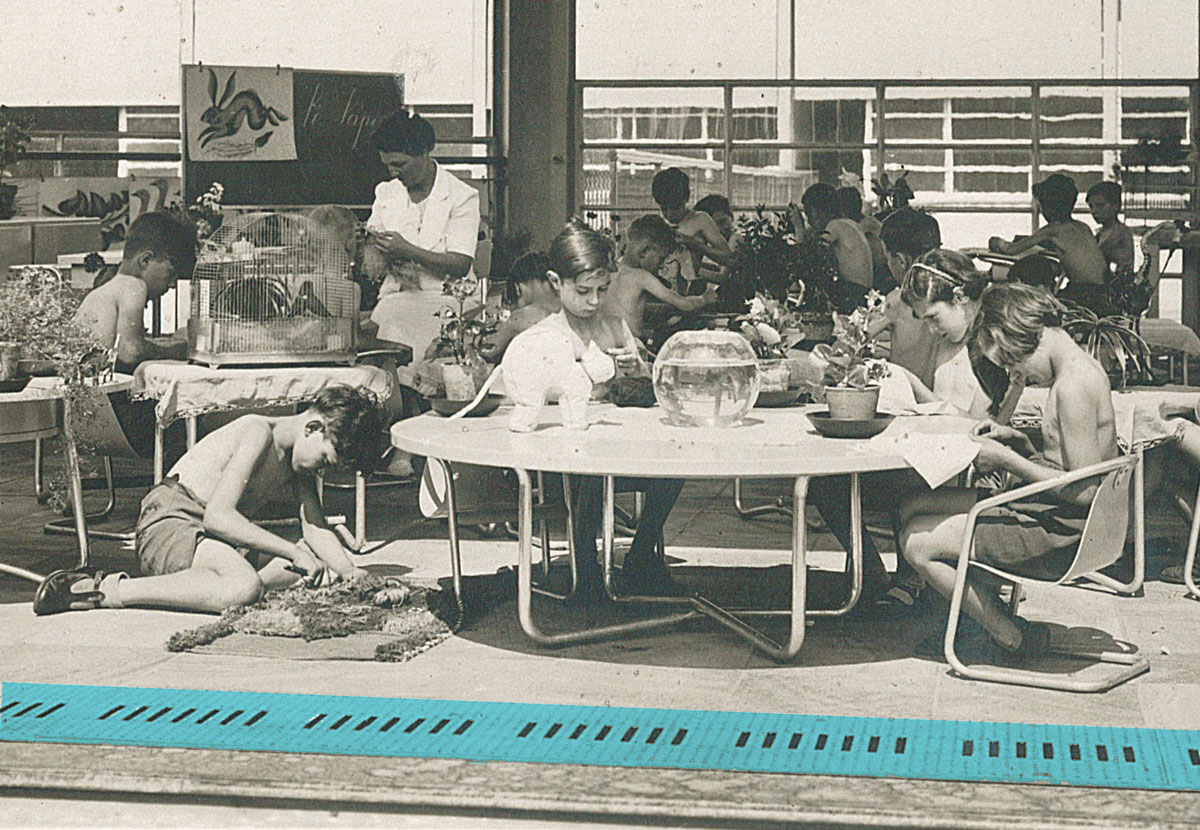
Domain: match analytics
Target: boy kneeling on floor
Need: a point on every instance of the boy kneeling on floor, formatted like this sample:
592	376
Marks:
196	546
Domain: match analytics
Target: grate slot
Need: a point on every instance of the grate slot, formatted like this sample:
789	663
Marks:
463	727
205	717
847	742
27	709
742	739
255	718
873	744
440	726
228	719
136	712
183	715
365	724
553	730
579	730
412	727
656	731
524	733
111	711
795	741
1193	755
768	740
390	723
821	740
603	733
158	714
901	744
968	749
8	706
1075	753
51	710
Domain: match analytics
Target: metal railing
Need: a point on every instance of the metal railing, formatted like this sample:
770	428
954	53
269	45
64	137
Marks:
1052	124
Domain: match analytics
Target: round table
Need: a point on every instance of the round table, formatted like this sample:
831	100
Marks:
771	443
33	414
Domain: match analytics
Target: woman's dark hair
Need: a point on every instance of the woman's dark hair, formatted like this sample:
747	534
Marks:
528	268
850	203
1056	194
578	249
713	204
404	132
354	424
935	275
1011	319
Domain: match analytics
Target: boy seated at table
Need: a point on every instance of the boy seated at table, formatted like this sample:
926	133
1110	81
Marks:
197	547
159	250
1072	240
530	297
1020	330
1113	236
856	270
648	240
696	235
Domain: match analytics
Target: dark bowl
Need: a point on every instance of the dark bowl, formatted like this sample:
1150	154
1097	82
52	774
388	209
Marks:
447	407
850	427
777	398
16	384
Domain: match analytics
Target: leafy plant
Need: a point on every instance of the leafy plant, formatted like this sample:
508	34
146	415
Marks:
204	214
462	334
1111	340
850	360
771	326
893	194
1155	149
773	262
14	138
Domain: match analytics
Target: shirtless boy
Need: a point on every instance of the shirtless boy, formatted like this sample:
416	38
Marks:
696	235
647	242
196	545
159	250
856	269
1070	239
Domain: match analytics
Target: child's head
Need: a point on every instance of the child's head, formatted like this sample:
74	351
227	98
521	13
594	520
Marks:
850	203
717	207
943	289
1037	270
671	191
404	141
159	249
648	240
582	263
821	205
1056	196
1104	200
342	428
906	235
527	281
1012	318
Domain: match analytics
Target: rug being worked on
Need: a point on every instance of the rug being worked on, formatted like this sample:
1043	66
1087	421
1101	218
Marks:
368	619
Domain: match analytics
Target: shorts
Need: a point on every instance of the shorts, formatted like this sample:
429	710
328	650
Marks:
1031	538
169	528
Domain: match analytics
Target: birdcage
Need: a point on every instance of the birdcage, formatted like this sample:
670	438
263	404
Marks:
272	288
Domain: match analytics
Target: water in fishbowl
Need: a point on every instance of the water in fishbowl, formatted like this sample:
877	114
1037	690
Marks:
706	378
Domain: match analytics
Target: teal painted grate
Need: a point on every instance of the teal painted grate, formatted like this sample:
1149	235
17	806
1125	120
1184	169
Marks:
1159	759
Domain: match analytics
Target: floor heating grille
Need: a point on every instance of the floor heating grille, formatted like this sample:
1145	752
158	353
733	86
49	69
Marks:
609	736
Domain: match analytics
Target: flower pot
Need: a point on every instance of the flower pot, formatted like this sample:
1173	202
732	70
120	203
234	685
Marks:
848	403
8	201
10	354
774	374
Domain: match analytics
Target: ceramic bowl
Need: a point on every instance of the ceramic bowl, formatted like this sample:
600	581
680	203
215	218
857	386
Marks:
778	398
447	407
849	428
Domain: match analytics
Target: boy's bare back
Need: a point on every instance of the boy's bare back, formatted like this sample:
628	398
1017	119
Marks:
1081	258
112	308
626	297
201	468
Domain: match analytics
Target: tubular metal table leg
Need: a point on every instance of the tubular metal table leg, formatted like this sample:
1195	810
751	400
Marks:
525	581
758	510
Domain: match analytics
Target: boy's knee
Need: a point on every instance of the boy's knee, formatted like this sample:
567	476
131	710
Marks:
244	589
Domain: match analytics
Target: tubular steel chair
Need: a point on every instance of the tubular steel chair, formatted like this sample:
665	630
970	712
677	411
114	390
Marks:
475	495
1101	545
1189	561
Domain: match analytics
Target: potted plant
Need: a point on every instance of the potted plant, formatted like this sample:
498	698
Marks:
892	194
14	142
1112	340
454	364
772	327
850	369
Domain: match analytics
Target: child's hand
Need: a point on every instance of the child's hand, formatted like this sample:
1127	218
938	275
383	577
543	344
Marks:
997	244
625	359
304	559
710	295
992	455
692	243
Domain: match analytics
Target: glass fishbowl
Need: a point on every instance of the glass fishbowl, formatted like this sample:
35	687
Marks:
706	378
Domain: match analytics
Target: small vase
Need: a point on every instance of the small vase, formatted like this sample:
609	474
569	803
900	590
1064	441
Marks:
848	403
10	353
774	374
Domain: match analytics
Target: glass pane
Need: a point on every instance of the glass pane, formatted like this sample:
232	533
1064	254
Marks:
683	114
772	177
621	177
1078	115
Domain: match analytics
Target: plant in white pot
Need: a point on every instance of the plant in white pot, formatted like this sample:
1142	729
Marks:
772	327
851	371
14	141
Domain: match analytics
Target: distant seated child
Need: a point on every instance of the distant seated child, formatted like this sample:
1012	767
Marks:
582	264
1113	237
159	250
696	235
1072	240
717	207
905	235
198	549
647	242
856	271
850	201
532	298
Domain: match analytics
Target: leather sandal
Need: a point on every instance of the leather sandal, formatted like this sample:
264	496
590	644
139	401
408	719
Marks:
56	593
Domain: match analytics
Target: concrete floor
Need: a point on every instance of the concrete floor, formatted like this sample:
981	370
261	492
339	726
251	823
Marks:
853	667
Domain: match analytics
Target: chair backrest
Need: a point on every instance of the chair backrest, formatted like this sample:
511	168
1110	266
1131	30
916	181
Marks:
1103	539
98	430
476	488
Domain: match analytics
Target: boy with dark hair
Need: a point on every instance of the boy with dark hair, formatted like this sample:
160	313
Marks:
159	250
648	240
856	272
1113	237
905	235
696	235
717	207
1070	239
196	545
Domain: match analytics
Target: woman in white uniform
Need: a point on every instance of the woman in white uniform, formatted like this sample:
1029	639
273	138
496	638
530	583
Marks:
425	224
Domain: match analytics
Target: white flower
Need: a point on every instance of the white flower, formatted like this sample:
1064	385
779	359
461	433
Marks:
757	307
768	334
